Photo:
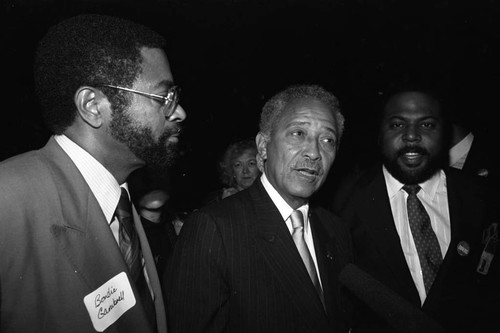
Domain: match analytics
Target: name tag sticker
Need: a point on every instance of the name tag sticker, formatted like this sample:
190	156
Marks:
110	301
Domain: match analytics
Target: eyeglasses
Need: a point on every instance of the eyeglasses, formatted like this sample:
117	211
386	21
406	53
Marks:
171	101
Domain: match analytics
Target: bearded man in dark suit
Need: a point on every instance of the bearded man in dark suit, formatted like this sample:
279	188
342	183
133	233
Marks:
412	140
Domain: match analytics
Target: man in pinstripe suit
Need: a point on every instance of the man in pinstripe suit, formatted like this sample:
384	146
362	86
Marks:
236	267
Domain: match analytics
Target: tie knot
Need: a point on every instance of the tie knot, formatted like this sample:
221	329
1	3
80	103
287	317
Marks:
297	219
412	189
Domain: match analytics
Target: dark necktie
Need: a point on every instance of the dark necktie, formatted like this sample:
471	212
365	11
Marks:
128	239
131	251
298	237
426	242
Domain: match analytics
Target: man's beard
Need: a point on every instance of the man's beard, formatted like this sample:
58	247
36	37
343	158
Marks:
412	175
158	154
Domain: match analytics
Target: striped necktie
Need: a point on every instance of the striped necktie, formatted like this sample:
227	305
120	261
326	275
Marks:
131	251
128	239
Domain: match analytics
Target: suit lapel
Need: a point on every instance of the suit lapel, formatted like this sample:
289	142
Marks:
90	249
84	235
464	211
326	251
82	231
384	234
277	247
152	274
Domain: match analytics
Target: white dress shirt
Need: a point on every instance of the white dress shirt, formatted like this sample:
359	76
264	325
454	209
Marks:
285	211
101	182
433	196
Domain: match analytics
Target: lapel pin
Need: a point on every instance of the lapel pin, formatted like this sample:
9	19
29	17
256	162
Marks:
329	255
483	172
463	248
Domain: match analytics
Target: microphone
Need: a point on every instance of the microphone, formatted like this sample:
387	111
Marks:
394	309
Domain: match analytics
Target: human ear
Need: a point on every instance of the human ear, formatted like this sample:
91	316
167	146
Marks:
89	103
261	142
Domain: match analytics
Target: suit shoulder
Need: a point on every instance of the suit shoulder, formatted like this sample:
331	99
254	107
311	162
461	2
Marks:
228	210
475	185
352	186
21	169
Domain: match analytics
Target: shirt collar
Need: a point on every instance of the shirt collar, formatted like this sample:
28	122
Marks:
429	187
101	182
460	149
280	203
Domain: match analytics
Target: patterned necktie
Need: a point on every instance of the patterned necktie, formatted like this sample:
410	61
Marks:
128	239
298	237
426	242
131	251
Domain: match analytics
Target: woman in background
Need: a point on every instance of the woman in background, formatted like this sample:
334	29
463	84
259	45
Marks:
237	170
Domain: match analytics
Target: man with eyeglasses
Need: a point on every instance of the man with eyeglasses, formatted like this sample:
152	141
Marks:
74	256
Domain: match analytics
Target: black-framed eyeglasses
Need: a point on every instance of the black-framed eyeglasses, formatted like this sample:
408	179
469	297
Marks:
170	102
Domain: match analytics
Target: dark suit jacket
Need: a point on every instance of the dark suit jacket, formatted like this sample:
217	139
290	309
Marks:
56	247
479	160
235	268
161	238
453	299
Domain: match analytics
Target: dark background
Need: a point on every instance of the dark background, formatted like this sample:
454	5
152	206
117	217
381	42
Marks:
230	56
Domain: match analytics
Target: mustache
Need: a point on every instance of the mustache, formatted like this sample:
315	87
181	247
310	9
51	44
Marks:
176	130
173	131
309	166
412	149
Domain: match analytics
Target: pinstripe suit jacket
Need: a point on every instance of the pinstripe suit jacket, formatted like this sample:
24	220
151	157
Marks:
56	247
235	268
